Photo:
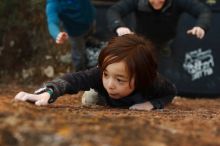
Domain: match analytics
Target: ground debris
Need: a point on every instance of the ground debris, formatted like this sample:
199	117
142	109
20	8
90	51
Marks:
186	122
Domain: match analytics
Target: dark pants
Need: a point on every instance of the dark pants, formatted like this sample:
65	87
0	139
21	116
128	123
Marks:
78	52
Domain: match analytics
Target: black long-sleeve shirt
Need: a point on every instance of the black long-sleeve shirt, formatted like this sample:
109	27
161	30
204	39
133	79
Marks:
158	25
159	94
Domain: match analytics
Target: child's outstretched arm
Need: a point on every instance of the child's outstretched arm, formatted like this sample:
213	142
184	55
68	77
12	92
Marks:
68	84
47	94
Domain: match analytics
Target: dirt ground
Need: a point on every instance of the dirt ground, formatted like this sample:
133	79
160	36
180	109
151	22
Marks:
186	122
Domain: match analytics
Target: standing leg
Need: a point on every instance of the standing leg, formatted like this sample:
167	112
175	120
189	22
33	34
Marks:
79	56
78	52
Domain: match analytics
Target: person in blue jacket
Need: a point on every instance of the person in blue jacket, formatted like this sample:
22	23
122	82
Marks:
76	17
126	76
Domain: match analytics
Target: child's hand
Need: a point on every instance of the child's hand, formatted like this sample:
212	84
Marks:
197	31
41	99
142	106
123	30
61	37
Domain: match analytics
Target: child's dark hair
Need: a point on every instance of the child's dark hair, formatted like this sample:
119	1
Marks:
138	55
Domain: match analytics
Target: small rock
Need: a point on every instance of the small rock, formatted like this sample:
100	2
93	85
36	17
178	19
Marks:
27	73
47	57
12	43
66	58
49	71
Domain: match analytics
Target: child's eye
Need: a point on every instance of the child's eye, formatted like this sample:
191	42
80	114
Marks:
105	74
120	81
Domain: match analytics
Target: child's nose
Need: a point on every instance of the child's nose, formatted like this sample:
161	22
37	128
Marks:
111	84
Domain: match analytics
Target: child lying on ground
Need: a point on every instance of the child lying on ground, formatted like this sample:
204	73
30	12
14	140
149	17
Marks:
126	76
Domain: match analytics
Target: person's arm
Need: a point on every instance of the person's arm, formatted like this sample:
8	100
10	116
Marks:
53	20
116	13
163	93
201	12
68	84
160	94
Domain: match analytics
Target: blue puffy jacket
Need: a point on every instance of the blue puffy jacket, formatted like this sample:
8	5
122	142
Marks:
76	16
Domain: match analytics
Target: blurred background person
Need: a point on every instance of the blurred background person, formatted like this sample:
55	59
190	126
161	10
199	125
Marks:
73	20
158	19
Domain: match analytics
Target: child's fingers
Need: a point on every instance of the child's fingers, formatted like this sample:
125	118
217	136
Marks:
123	30
24	96
142	106
192	31
44	97
20	96
200	33
61	37
41	102
65	35
133	107
30	97
38	103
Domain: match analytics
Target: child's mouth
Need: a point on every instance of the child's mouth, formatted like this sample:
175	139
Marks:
115	96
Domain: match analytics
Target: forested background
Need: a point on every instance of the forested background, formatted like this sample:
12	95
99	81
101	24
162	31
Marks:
27	52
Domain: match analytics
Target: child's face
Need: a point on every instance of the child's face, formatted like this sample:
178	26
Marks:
115	79
157	4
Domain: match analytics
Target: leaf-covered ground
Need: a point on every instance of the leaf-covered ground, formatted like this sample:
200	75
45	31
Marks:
186	122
